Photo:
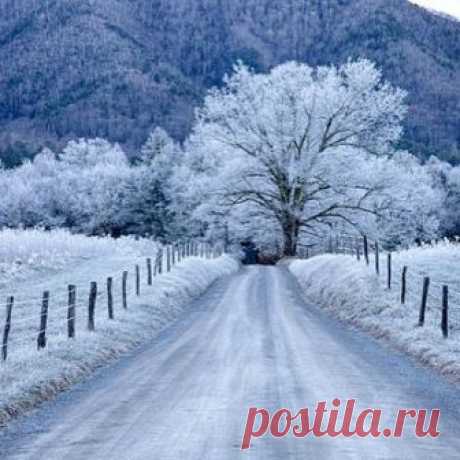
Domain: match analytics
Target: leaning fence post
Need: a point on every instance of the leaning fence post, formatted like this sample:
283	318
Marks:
426	286
403	285
72	290
6	330
92	305
124	290
149	272
377	258
41	339
366	249
445	312
389	270
138	281
109	297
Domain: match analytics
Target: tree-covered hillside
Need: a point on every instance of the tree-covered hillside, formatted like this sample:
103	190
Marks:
116	68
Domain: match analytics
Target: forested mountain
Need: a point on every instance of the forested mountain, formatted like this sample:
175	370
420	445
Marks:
117	68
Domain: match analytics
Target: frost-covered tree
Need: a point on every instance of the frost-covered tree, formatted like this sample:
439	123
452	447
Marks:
79	189
147	194
31	194
92	188
93	176
298	144
446	178
86	153
410	203
159	147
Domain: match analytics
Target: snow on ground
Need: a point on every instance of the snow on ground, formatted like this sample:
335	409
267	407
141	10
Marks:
31	253
354	293
34	261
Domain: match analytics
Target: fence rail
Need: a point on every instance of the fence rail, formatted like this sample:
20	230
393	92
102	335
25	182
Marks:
35	316
436	297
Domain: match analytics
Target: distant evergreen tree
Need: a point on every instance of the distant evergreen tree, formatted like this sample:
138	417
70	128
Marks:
146	197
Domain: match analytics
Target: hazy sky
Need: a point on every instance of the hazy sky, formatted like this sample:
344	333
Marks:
451	7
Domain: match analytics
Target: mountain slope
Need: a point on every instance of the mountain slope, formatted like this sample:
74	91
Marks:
115	68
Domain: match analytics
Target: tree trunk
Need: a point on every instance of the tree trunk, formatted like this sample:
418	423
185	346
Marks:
290	234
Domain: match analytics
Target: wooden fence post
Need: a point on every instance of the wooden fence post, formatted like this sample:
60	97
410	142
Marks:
92	305
124	291
138	281
403	285
426	286
149	272
377	258
41	339
366	249
173	254
72	290
160	261
168	258
6	330
389	270
110	297
445	312
358	253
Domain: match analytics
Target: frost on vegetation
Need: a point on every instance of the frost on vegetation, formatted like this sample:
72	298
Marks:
49	260
351	291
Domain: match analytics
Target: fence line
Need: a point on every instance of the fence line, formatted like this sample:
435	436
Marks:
362	247
66	307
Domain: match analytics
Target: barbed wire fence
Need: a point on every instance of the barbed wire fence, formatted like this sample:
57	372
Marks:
29	319
435	296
